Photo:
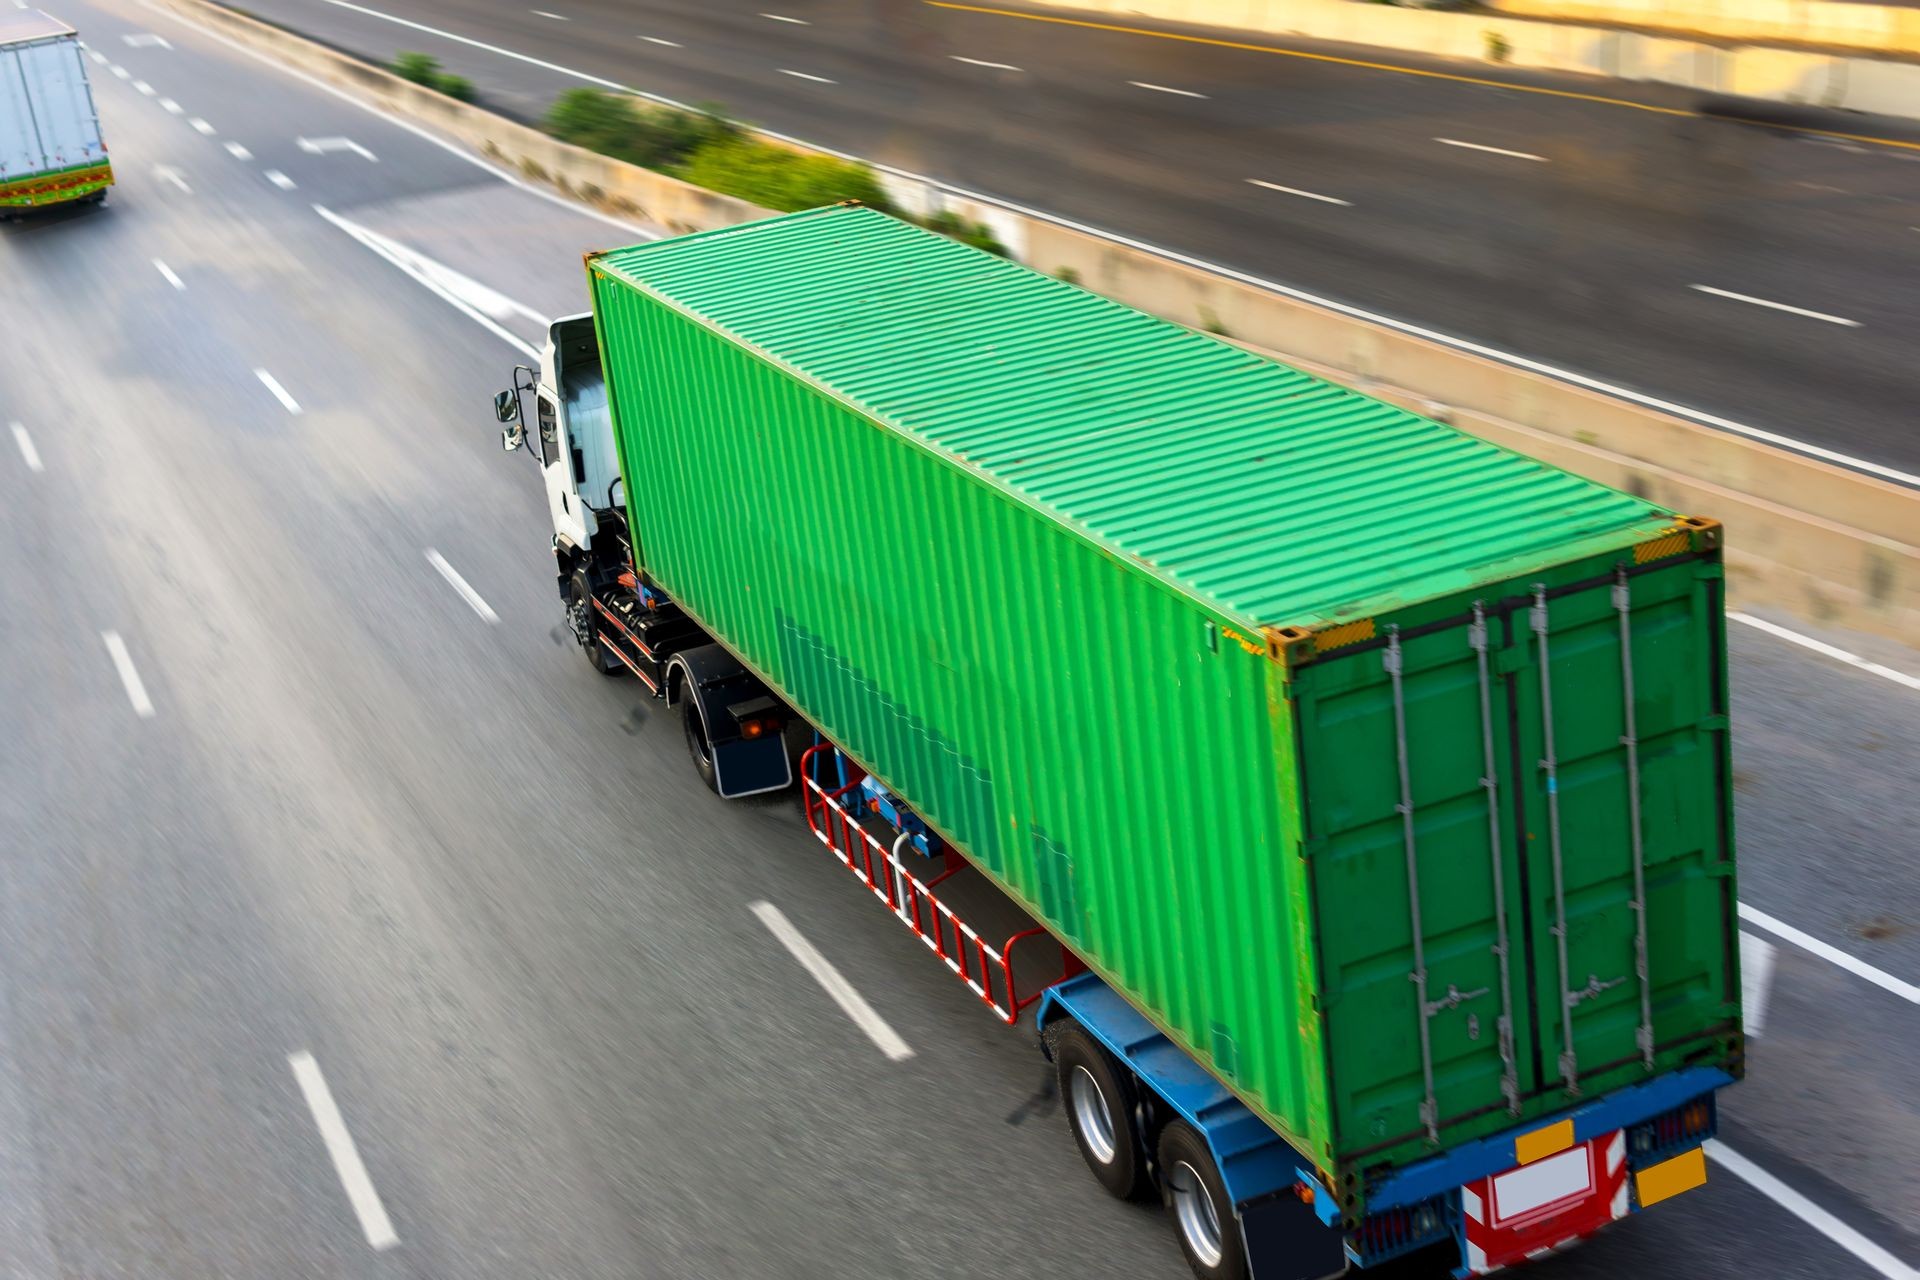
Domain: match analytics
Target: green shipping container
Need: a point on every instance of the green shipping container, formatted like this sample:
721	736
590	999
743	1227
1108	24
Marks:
1302	719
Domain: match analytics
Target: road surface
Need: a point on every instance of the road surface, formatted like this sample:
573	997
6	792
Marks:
351	927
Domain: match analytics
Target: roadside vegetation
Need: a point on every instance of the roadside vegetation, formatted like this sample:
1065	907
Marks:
422	68
706	149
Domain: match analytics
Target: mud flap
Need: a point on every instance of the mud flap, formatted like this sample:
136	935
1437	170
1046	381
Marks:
1286	1240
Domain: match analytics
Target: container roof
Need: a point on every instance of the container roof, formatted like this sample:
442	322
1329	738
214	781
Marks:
19	26
1272	495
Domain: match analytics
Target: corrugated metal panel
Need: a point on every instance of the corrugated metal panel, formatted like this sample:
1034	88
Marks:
908	484
1271	494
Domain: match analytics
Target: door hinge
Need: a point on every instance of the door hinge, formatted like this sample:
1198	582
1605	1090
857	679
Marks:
1508	661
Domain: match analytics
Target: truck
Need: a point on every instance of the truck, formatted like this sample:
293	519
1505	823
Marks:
1366	784
51	151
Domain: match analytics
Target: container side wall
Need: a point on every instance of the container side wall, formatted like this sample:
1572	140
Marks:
1099	744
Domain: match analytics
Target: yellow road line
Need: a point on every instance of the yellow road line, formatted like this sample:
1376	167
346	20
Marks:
1362	63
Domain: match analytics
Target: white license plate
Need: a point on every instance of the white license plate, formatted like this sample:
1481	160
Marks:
1566	1176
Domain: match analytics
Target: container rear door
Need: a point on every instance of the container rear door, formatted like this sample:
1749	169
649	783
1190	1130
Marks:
59	103
1625	802
1447	853
20	148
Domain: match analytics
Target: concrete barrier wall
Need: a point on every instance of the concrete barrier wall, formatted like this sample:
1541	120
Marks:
1869	28
1817	540
1782	75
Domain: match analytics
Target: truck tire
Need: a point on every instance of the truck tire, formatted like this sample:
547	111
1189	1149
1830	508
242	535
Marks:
1203	1218
697	744
1099	1097
580	621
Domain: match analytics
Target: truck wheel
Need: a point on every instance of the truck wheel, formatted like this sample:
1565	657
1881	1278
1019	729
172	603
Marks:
697	744
1099	1098
580	622
1197	1198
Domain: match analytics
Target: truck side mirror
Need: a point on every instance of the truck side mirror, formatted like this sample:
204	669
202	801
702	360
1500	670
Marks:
506	407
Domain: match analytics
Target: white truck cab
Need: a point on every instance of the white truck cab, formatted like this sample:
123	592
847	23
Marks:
572	436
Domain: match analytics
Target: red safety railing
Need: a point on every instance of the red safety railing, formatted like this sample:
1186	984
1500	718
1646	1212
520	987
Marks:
986	969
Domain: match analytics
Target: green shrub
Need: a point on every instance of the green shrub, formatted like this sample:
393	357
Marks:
777	178
627	129
955	227
424	68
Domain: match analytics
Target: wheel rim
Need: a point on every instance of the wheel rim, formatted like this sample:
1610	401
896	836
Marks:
1193	1210
1091	1115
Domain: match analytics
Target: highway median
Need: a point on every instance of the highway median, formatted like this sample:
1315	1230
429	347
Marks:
1814	536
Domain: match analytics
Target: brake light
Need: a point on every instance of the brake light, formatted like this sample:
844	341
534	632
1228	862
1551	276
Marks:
759	728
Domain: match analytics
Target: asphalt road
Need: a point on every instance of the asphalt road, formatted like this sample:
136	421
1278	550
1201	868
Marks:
310	799
1577	232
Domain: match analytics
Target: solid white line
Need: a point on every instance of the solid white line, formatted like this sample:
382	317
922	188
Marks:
1454	341
1161	88
171	107
27	451
1808	1212
804	76
141	86
1822	647
850	1001
415	265
781	17
671	44
346	1156
1757	956
1498	151
167	273
1833	955
1295	191
977	62
129	677
202	127
280	180
1777	306
453	149
542	13
459	584
279	392
238	152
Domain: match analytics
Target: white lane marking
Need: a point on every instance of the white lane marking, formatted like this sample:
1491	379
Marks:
167	173
476	301
1777	306
1833	955
169	106
121	71
459	584
805	76
279	392
1453	341
542	13
1295	191
167	273
346	1156
1822	647
238	152
321	146
452	149
201	127
99	58
1161	88
142	87
129	675
1756	980
1808	1212
144	40
781	17
850	1001
1498	151
280	180
27	451
978	62
671	44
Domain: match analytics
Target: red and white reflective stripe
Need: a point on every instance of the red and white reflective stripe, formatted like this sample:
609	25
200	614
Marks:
1493	1242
